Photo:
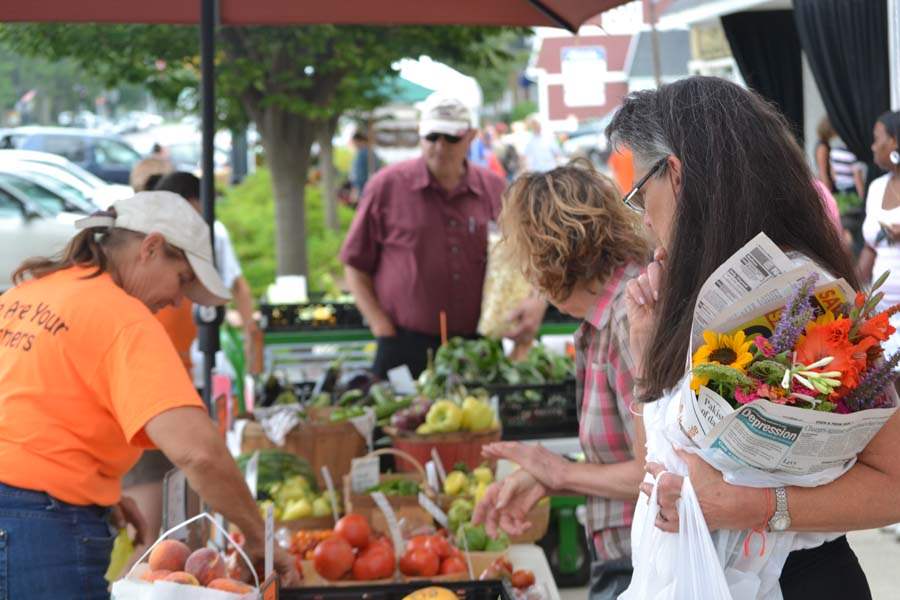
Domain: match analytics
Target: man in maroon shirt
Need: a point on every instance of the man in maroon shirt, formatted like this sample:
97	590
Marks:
418	244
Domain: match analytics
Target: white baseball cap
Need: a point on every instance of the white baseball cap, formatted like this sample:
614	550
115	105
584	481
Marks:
444	114
176	220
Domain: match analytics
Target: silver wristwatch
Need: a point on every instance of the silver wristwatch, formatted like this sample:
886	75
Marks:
781	520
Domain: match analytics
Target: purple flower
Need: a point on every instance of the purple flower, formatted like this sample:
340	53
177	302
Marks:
794	317
870	391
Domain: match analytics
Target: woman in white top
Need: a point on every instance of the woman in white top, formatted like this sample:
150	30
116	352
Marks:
881	228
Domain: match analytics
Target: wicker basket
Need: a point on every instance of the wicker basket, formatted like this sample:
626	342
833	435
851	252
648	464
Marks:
405	507
307	524
333	445
539	517
460	446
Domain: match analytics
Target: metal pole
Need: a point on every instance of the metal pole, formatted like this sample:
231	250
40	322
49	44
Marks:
654	42
208	319
893	7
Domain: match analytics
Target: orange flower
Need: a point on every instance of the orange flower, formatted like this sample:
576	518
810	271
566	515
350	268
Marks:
831	340
860	300
878	327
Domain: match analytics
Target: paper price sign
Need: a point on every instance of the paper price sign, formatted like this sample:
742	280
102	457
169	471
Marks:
364	474
329	483
433	509
402	380
251	475
270	540
175	505
442	473
391	517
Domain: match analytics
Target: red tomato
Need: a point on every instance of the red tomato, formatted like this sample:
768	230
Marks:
417	542
333	557
439	545
420	562
375	562
381	542
355	529
522	579
454	564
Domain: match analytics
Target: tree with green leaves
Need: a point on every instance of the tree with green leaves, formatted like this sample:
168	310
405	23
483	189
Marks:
290	81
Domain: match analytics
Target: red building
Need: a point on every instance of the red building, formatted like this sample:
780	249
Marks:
586	76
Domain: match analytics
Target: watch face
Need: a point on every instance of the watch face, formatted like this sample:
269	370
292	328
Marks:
780	523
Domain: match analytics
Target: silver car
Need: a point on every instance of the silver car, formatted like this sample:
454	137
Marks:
68	174
26	230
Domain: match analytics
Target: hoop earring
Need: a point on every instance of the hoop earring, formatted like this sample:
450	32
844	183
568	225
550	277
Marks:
895	158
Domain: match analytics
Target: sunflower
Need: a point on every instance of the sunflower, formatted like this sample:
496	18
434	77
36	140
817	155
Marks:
729	350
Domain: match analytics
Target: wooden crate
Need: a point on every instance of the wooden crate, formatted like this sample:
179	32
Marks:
405	507
460	446
321	443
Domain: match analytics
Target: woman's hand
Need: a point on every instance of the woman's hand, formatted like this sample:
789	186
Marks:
283	562
286	566
526	320
506	503
641	296
545	466
126	513
724	506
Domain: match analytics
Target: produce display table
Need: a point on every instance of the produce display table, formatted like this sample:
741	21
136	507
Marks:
284	350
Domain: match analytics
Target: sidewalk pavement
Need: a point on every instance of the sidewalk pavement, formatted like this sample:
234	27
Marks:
879	555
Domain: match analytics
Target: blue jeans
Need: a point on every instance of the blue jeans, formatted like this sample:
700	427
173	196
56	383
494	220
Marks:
50	549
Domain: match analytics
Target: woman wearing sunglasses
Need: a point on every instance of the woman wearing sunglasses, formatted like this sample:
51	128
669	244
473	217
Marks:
717	165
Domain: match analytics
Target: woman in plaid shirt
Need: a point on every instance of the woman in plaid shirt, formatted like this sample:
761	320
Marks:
580	245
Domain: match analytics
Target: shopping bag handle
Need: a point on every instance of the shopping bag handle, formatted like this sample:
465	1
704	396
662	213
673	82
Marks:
185	524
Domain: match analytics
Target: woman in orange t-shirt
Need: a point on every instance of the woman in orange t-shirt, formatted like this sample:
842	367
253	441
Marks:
88	379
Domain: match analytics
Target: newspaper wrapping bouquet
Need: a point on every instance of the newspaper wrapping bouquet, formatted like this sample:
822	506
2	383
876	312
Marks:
786	384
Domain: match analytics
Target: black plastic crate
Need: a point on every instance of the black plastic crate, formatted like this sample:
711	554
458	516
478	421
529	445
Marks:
538	410
288	317
554	315
464	590
303	390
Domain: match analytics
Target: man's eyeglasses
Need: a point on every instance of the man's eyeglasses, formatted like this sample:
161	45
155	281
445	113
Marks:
450	139
634	199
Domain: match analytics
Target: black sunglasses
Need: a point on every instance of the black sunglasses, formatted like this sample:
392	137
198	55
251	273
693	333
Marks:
633	199
450	139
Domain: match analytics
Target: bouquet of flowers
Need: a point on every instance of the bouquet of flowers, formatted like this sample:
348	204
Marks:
832	362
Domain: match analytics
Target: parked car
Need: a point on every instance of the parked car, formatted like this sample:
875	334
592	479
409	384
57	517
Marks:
27	230
106	156
54	202
100	192
60	175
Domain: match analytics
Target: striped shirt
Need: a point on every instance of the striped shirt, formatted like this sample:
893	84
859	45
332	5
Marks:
606	428
843	167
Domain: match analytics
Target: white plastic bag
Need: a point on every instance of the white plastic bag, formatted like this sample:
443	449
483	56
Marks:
675	566
131	588
660	559
504	288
